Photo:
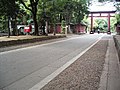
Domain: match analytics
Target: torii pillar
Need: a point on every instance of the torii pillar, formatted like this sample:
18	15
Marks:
109	32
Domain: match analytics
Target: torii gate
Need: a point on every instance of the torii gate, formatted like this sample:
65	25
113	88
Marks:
100	15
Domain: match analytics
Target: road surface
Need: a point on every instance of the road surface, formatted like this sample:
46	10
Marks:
21	69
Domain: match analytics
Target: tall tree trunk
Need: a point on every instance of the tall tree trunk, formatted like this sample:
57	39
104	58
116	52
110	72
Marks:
35	24
33	9
14	26
54	29
8	27
43	27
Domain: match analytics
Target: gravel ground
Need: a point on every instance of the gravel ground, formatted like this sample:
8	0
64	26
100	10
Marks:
84	73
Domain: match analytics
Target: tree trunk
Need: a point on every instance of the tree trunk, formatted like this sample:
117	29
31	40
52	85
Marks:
8	27
35	24
46	28
54	31
14	26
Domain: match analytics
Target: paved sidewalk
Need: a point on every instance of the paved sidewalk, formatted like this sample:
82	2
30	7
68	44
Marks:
110	79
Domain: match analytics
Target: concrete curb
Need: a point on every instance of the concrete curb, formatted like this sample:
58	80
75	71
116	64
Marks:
104	76
31	40
110	78
117	44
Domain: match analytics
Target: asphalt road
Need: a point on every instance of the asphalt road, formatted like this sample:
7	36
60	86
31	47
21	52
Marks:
21	69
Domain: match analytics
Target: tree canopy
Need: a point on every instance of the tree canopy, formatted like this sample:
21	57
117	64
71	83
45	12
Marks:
53	11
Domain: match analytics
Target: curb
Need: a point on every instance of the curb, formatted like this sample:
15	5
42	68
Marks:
117	45
104	76
24	41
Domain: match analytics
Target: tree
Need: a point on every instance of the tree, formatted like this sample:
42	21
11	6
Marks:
117	5
44	14
81	9
117	16
67	10
9	10
32	7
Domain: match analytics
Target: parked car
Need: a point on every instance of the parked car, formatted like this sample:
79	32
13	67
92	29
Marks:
22	31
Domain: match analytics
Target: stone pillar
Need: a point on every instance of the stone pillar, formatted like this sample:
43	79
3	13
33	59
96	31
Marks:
91	31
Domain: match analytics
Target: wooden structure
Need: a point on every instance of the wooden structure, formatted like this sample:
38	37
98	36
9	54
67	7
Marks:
75	28
80	28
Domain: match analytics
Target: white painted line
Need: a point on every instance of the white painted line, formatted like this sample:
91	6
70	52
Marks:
58	71
20	49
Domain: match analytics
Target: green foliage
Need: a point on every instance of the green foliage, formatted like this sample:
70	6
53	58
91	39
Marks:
81	9
32	5
54	11
3	24
102	24
117	16
8	7
117	5
112	23
63	26
68	10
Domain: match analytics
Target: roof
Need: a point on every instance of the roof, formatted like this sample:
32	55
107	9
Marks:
104	7
102	11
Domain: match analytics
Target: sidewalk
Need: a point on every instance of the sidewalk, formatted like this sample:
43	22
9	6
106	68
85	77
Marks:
110	79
